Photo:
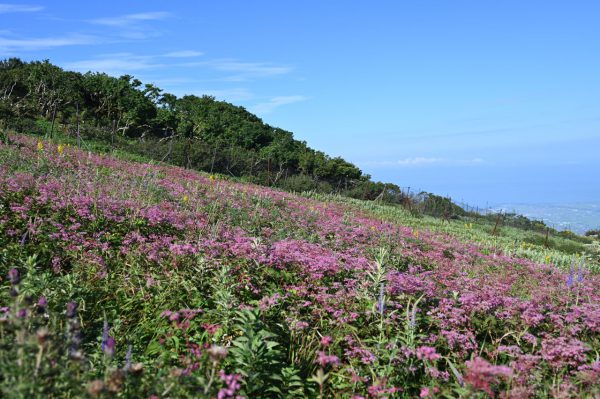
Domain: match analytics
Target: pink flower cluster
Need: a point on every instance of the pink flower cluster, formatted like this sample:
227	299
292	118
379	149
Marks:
481	374
326	251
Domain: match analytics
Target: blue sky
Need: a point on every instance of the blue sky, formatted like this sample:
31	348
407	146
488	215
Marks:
489	102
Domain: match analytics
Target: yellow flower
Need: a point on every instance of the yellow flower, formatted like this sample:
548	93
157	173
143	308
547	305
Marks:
547	258
185	198
60	149
471	226
212	178
416	233
40	146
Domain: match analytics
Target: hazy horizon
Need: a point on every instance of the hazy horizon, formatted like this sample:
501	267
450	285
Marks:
576	217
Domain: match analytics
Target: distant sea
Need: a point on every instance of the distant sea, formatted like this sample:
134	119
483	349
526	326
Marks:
577	217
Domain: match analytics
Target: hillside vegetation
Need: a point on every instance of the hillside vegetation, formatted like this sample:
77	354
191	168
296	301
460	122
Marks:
141	279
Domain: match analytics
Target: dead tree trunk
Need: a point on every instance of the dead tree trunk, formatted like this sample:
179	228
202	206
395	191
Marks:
53	119
78	132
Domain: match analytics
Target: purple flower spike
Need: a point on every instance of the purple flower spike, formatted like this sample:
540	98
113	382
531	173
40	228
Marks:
570	279
105	334
109	346
108	342
42	302
14	276
71	310
41	305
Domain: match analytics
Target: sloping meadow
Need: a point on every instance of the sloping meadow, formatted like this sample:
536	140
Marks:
136	280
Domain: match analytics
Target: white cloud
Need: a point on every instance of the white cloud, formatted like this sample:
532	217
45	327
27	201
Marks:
8	8
132	26
243	71
251	67
418	161
276	102
115	64
425	161
232	95
120	63
184	54
126	21
175	81
9	44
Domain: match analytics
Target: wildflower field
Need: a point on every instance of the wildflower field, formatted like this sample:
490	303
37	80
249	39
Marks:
136	280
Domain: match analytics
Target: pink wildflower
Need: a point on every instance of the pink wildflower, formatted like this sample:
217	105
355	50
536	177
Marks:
561	351
232	385
427	353
324	359
481	374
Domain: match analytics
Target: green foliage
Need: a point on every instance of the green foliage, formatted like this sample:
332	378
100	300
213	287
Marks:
292	385
302	183
592	233
256	356
438	206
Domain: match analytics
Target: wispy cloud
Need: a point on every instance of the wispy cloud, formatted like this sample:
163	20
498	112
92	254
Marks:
184	54
425	161
132	26
417	161
251	67
116	64
244	71
481	132
9	8
125	62
276	102
126	21
17	45
233	95
126	26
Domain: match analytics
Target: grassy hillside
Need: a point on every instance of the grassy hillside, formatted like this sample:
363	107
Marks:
560	250
137	280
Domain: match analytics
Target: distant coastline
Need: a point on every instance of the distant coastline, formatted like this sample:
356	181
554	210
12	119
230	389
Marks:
577	217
